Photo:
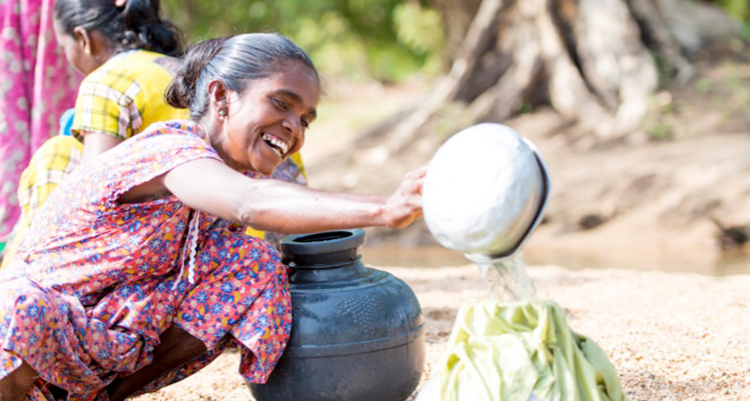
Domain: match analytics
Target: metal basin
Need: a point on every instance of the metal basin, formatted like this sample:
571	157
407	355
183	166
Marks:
485	192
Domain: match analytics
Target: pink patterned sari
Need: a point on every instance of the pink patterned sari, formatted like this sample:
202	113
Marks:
36	85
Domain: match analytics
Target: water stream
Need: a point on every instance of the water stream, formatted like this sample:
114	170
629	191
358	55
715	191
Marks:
507	280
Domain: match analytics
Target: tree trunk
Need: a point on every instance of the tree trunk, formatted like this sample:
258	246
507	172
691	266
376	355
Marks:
593	61
457	17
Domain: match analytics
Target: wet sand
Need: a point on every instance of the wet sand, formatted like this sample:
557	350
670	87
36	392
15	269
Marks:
671	336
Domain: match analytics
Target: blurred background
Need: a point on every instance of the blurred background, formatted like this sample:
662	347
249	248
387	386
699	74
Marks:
388	41
640	107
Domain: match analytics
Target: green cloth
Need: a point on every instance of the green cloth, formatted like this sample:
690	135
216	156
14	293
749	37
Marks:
518	351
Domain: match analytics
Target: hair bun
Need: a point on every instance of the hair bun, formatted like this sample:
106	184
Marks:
181	91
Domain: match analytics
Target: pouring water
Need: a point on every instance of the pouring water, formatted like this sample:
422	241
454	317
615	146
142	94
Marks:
484	195
507	280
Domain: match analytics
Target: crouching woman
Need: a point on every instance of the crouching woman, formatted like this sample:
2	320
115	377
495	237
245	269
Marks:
137	271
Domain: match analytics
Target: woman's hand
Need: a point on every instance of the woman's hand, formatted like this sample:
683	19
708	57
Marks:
405	205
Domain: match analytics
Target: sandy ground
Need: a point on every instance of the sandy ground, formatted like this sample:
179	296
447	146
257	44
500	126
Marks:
671	336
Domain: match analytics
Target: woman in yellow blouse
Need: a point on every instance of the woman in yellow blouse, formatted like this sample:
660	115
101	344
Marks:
128	54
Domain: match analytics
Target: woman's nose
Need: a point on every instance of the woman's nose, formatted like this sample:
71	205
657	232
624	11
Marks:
294	127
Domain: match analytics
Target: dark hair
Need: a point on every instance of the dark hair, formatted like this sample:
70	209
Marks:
136	25
235	61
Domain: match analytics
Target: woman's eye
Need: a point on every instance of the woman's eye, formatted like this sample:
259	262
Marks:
280	104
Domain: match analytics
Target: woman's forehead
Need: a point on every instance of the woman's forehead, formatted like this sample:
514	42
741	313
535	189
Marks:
299	83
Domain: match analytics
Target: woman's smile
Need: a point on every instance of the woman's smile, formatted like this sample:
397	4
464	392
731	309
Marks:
277	144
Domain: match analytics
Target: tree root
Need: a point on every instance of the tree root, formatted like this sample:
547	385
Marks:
593	61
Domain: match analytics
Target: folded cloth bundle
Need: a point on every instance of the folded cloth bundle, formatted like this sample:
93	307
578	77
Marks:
518	352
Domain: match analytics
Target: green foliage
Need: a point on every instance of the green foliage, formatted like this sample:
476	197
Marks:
384	39
421	30
739	9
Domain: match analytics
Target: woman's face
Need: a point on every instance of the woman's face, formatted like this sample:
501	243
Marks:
75	50
267	122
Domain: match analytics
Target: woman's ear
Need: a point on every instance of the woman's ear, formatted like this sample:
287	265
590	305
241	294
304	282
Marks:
217	95
83	38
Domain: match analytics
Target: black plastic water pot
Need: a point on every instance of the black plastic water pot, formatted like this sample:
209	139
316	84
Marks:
357	332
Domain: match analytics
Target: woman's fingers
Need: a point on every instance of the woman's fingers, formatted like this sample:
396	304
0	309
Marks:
405	205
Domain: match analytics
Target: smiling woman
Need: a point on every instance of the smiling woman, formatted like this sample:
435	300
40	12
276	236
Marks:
137	272
267	107
262	122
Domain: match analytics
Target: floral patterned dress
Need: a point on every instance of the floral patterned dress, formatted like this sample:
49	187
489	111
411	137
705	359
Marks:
96	282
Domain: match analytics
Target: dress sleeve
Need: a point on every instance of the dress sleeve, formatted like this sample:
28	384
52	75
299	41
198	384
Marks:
106	105
145	157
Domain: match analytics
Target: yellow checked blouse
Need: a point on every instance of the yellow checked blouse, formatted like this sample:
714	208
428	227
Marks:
121	98
126	95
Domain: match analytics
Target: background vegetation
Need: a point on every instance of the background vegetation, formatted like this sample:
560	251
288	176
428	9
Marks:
387	40
739	9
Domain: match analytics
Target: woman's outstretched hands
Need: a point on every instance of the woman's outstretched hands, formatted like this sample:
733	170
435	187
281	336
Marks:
213	187
405	205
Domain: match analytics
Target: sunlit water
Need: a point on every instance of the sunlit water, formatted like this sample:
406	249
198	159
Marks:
507	280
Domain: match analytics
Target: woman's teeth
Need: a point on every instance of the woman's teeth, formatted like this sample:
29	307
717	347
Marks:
276	144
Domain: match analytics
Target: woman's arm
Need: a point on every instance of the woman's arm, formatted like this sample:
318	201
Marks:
96	143
271	205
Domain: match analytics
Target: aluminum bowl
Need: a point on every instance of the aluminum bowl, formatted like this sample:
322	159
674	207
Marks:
485	192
